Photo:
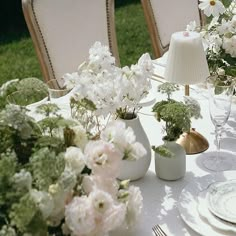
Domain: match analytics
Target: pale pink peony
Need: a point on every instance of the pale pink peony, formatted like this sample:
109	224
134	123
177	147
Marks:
103	158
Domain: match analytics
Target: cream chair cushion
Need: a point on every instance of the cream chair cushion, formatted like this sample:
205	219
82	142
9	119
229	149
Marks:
66	29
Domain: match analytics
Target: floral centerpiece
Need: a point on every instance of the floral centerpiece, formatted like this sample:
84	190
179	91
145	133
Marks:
101	87
219	35
55	180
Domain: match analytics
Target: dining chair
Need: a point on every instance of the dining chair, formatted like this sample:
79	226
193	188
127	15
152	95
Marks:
62	32
164	17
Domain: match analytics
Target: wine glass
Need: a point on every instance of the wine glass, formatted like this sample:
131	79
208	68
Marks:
220	90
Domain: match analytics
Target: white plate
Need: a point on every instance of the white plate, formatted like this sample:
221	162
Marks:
205	213
221	199
188	203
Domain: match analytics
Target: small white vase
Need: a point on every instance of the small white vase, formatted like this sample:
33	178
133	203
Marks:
136	169
171	168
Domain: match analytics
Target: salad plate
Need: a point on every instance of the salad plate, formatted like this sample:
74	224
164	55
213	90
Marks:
207	215
221	199
188	204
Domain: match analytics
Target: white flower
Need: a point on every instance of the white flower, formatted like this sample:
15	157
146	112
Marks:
23	179
80	138
124	139
74	159
229	44
134	205
212	7
79	216
60	197
44	201
70	80
108	213
109	185
191	26
103	158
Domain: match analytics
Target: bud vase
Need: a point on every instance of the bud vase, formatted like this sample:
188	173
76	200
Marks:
174	167
136	169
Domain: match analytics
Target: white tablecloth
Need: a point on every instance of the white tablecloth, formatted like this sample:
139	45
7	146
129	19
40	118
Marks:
161	197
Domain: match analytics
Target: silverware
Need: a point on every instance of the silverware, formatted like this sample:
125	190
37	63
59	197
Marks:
158	230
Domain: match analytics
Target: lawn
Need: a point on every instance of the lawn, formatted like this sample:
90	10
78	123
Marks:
18	58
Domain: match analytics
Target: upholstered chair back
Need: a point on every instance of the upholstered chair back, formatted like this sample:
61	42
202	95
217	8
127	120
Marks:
164	17
63	31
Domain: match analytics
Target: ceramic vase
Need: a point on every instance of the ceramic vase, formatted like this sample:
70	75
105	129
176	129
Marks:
174	167
134	170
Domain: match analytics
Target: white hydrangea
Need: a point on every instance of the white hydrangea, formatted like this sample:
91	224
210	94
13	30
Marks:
74	159
23	179
44	201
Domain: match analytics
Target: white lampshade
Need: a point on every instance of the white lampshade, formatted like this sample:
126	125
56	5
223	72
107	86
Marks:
186	63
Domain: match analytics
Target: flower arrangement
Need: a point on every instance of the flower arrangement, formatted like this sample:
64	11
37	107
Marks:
55	180
102	88
176	115
219	35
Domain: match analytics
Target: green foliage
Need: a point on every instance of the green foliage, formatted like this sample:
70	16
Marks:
163	150
176	117
47	167
26	214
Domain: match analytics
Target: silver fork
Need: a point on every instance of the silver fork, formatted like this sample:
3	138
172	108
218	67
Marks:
158	230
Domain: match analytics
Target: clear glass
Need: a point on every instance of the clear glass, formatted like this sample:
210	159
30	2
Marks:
27	97
54	91
220	89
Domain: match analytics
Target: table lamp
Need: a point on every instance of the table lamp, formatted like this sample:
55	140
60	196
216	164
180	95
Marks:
187	64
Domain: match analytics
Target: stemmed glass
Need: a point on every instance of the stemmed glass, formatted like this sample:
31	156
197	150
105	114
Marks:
220	89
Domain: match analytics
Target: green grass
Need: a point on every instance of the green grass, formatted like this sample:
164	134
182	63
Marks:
18	58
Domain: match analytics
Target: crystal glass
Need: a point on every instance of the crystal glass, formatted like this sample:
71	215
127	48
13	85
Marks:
220	89
55	91
27	97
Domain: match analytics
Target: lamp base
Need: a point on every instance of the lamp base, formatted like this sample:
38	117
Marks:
193	142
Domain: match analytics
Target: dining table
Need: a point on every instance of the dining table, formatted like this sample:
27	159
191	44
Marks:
173	204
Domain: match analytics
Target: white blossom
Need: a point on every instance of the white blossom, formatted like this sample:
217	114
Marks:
103	158
79	216
191	26
44	201
212	7
134	205
80	138
23	179
229	44
74	159
124	139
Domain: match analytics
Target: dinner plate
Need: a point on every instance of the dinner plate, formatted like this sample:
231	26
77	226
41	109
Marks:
188	203
221	199
207	215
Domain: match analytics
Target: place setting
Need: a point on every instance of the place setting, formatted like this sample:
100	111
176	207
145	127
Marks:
208	204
